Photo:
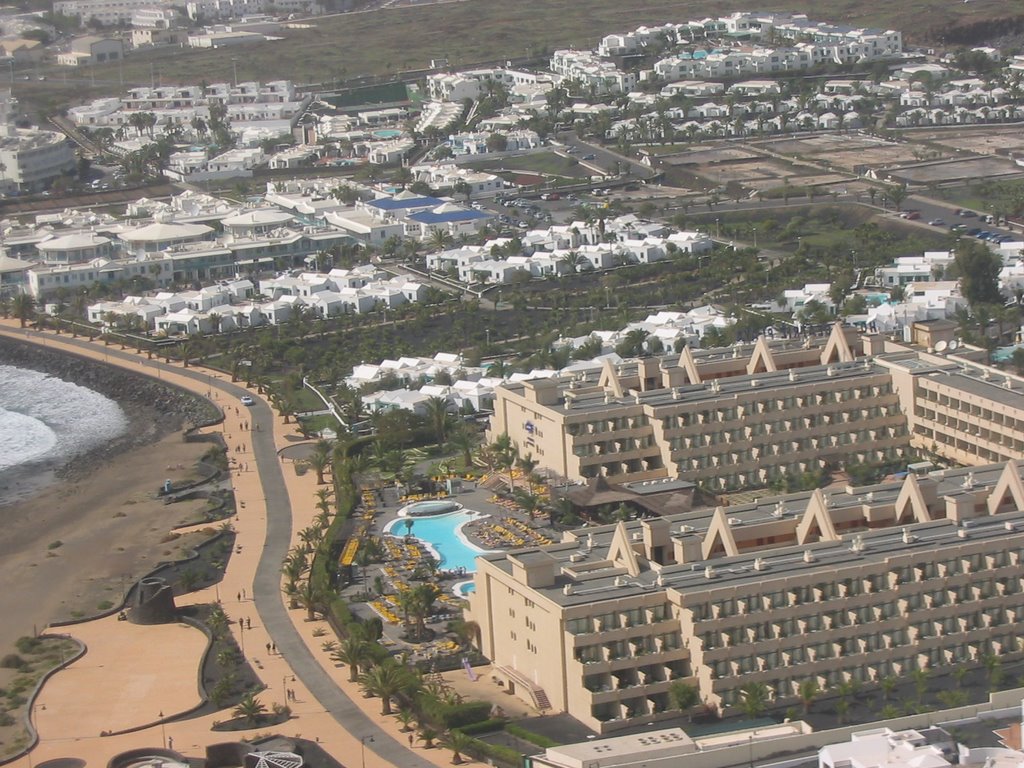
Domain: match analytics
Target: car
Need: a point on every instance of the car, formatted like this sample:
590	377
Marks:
958	228
984	235
572	150
248	400
937	223
1001	239
591	156
911	215
966	213
972	232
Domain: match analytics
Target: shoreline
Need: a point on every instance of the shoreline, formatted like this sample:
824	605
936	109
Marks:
153	410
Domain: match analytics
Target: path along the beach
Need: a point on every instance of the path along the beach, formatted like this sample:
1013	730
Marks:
99	693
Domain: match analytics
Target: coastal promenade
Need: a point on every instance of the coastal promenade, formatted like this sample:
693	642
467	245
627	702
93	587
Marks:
274	502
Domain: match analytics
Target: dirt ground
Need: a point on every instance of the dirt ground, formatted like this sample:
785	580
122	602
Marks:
66	551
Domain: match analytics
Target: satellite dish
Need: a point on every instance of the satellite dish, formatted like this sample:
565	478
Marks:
953	345
940	346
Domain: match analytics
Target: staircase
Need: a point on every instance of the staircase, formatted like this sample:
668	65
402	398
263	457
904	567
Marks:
537	695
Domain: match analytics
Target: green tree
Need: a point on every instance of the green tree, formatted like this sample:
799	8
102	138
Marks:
355	652
457	742
808	691
978	269
897	195
250	708
385	681
753	699
24	308
684	696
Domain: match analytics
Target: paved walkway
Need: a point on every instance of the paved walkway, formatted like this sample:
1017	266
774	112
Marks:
324	699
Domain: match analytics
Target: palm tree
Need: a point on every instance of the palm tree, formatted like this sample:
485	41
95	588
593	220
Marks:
354	651
319	460
753	699
458	742
406	717
807	691
422	605
439	240
24	308
311	598
462	439
437	417
250	708
527	464
386	681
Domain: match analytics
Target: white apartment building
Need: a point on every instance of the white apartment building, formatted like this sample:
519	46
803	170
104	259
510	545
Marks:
30	158
591	73
108	12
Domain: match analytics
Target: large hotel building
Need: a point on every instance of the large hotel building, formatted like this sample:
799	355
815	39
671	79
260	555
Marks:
741	418
857	583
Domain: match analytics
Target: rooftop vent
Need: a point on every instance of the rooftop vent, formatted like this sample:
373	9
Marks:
1010	525
735	521
792	375
709	572
908	537
760	564
567	589
808	556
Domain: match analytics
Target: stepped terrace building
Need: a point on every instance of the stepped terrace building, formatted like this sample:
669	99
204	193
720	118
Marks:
832	586
711	417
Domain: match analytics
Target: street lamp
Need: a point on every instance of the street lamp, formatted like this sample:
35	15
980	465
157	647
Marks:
755	237
718	230
362	749
163	735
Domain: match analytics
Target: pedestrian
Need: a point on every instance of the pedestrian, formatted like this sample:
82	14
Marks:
239	597
170	742
273	647
243	593
248	623
410	741
268	647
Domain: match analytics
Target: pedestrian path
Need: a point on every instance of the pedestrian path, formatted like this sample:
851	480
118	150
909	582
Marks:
325	707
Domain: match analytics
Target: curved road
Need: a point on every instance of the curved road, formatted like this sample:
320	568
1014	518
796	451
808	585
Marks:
266	586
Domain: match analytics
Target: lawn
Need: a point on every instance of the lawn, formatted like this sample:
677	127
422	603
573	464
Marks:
384	42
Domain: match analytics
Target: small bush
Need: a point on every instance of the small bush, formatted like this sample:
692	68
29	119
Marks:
28	645
13	661
6	719
105	605
55	544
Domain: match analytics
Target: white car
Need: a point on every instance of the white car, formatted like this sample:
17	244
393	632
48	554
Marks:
247	400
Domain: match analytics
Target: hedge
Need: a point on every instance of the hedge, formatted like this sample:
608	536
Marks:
484	726
445	716
534	738
481	750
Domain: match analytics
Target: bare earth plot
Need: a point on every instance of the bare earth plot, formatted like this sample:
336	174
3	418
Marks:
849	151
957	170
983	141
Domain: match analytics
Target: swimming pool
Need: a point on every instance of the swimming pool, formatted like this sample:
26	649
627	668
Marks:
432	507
387	133
443	535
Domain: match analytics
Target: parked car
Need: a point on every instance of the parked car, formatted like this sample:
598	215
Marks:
247	400
958	228
972	232
984	235
937	223
966	213
910	215
591	156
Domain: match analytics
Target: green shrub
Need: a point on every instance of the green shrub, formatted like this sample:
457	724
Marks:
534	738
484	726
28	644
444	716
13	661
6	720
483	751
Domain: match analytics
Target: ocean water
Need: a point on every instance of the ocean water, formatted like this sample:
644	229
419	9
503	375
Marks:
45	422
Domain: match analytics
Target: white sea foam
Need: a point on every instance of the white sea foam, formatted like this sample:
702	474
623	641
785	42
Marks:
43	418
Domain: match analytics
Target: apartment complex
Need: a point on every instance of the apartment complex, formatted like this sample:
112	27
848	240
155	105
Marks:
832	586
714	417
746	416
30	158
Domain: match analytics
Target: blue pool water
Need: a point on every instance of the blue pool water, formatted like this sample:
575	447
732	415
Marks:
441	534
1005	354
387	133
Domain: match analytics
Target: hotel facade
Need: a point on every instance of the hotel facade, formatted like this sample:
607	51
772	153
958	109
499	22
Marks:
736	418
833	586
